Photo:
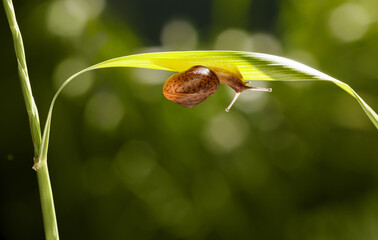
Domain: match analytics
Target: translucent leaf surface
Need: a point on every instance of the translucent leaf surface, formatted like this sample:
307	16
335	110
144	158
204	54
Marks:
252	66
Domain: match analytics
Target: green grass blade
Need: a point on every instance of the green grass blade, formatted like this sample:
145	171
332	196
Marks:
252	66
46	131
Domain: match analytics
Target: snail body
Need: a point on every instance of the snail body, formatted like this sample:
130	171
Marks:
193	86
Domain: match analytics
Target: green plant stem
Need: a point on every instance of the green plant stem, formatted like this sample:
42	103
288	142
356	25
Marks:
24	77
47	202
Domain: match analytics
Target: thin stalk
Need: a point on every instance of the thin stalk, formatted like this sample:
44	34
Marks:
31	107
47	202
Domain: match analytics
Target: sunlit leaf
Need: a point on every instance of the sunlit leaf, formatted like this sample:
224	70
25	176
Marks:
252	66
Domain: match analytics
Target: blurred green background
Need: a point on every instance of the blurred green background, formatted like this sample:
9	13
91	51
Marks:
125	163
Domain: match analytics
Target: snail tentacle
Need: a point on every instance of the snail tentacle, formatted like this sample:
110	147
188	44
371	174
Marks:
233	101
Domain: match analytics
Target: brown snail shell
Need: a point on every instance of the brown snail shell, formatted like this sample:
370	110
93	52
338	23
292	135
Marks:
191	87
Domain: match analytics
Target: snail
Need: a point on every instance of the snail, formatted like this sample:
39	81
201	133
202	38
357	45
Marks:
193	86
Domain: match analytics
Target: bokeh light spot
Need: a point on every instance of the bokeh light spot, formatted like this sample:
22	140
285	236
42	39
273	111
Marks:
88	8
62	21
67	18
225	132
349	22
65	69
233	39
104	111
179	35
266	43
